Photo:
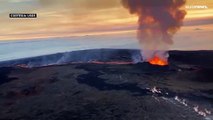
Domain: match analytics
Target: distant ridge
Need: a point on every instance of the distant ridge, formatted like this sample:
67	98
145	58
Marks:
106	55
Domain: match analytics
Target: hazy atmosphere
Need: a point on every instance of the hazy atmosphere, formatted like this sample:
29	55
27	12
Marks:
85	22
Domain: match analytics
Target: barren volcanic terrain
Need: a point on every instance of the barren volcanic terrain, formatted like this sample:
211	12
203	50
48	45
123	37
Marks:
107	86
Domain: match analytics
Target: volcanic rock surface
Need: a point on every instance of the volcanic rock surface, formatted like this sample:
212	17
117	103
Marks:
183	90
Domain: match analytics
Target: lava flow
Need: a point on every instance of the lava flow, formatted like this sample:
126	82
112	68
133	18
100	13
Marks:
157	61
112	62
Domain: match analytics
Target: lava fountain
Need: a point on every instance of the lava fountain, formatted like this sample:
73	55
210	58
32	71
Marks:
158	21
157	61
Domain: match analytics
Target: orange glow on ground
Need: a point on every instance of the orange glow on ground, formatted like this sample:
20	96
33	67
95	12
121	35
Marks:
111	63
157	61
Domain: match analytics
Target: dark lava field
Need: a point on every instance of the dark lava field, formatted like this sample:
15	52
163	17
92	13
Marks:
74	90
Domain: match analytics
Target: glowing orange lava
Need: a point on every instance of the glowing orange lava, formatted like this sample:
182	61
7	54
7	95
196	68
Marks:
111	63
157	61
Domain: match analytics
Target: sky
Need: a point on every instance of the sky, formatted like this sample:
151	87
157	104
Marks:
63	18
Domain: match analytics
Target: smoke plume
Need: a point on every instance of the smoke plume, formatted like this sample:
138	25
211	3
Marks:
158	21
